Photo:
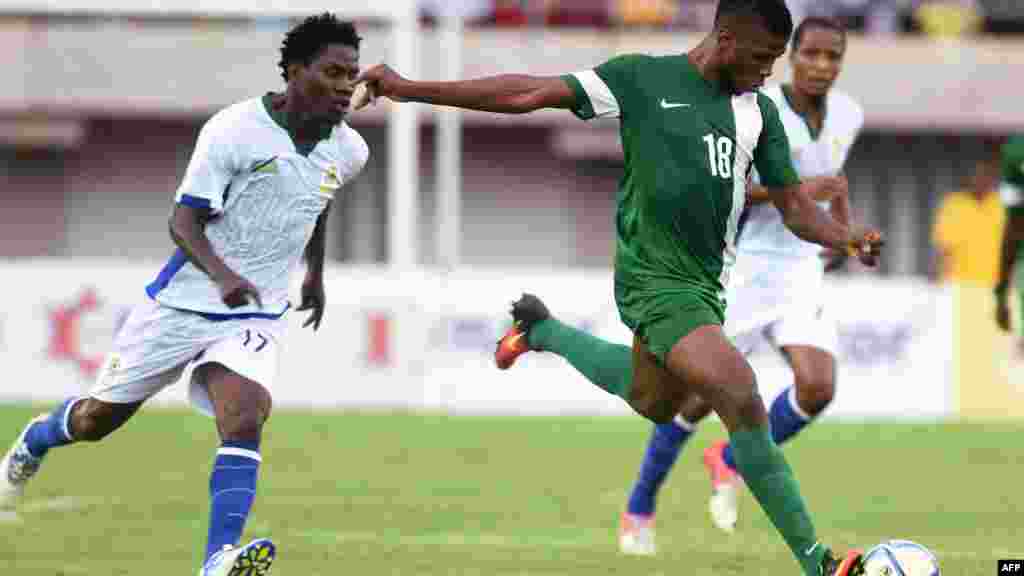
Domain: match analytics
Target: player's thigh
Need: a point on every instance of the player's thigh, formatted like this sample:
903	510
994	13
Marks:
233	377
715	370
149	353
656	393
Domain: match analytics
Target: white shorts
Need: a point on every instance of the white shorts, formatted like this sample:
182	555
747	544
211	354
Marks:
779	300
157	344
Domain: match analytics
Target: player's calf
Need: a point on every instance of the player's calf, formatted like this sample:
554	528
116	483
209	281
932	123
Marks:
92	420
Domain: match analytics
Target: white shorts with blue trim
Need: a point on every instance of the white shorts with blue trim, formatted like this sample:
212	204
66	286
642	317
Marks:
781	301
157	344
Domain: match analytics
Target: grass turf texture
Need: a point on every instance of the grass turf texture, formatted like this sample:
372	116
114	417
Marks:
345	493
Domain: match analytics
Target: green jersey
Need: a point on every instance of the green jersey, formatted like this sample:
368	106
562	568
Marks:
689	147
1012	187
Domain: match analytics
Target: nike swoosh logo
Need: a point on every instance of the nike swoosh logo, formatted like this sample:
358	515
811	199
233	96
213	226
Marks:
667	105
811	550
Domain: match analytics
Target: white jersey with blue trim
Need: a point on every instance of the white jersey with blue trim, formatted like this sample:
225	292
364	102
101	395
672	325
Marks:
265	198
763	234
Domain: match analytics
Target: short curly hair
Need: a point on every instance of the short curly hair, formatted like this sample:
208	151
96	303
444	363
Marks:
305	42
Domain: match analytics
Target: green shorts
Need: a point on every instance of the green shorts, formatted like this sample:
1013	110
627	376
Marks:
662	319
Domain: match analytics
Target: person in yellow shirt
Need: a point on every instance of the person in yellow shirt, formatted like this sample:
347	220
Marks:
968	230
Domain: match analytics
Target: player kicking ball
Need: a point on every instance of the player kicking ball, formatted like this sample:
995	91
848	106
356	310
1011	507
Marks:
777	289
776	292
693	127
253	203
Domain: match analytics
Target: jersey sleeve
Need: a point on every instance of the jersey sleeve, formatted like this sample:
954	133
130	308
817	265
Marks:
604	92
1011	189
210	169
772	158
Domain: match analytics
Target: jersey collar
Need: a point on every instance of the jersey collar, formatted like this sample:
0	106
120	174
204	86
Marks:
281	120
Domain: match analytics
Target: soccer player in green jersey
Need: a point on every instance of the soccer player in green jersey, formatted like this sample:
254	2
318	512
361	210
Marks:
692	128
1012	192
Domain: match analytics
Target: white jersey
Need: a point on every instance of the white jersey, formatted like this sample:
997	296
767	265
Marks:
777	274
265	197
763	233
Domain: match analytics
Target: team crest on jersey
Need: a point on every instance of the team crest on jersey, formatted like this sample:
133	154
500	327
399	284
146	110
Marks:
330	183
266	166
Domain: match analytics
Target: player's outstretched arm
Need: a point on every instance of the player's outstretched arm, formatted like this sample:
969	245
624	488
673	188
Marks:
808	221
505	94
187	225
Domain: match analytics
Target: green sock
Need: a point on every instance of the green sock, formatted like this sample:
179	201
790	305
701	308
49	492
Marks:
608	366
771	480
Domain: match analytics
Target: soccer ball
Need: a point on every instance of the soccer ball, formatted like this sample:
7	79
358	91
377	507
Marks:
900	558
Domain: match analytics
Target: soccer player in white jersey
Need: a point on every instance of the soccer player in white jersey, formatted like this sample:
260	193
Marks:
252	205
776	292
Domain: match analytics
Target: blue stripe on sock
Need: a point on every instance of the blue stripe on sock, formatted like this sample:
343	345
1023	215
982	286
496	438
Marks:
51	432
783	421
662	451
232	491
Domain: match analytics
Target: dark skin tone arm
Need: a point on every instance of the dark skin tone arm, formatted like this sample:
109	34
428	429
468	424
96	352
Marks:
1013	234
503	94
314	297
520	94
187	228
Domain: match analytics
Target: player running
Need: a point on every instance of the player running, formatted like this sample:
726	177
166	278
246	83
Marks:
777	289
692	126
1012	192
253	202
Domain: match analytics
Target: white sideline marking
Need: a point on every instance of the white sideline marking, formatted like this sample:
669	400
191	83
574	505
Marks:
61	503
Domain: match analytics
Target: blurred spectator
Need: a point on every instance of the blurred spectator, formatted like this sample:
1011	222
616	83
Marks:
647	12
968	230
593	13
509	13
948	18
871	16
470	10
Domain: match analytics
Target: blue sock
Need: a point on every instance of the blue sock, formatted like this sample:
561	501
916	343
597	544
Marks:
232	491
662	450
785	418
51	432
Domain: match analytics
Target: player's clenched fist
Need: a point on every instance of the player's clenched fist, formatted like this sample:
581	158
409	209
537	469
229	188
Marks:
866	244
378	81
236	292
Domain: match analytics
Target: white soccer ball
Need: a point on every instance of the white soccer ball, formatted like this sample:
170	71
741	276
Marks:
900	558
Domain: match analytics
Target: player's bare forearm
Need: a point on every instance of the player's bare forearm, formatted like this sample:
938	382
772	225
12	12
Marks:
187	227
758	194
839	209
317	248
505	94
808	221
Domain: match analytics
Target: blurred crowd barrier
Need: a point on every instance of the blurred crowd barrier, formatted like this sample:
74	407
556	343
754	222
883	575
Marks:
423	340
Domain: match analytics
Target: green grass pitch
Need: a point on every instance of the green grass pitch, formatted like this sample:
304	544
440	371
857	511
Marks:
402	494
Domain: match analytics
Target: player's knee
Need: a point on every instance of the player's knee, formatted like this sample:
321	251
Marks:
243	422
695	409
814	392
739	403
